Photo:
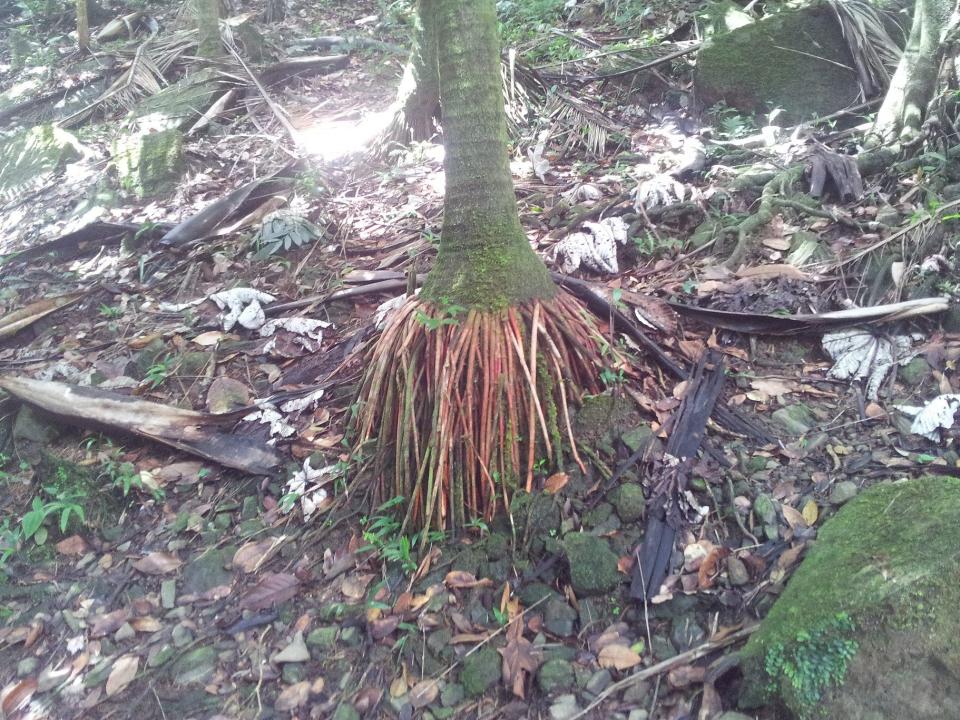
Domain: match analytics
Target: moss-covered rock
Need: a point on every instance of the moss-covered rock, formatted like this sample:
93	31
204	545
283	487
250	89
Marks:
866	627
536	517
796	60
629	502
149	164
593	566
480	671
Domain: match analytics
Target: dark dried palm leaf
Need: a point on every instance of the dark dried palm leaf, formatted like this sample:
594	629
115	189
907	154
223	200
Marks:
875	53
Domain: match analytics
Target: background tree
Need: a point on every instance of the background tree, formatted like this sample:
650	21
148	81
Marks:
83	25
914	83
468	386
210	44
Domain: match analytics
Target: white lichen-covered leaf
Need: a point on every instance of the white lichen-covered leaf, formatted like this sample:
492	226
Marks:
585	192
387	308
242	305
309	485
858	354
541	166
935	415
302	403
269	416
595	249
658	192
298	325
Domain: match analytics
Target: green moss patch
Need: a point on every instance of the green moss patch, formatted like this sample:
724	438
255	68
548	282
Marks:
867	624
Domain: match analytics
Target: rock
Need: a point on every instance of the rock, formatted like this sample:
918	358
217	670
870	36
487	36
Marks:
181	635
768	64
765	509
599	682
867	623
795	419
559	618
638	693
295	652
733	715
535	515
737	572
843	491
168	593
207	571
29	159
564	708
345	711
638	714
323	637
293	672
151	163
637	437
480	671
685	632
124	632
452	695
535	592
914	372
593	566
350	636
197	666
554	674
27	666
629	502
159	655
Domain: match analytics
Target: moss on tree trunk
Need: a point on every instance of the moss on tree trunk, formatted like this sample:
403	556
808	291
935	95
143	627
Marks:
419	93
485	260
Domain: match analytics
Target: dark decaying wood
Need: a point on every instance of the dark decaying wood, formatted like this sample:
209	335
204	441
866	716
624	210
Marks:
671	472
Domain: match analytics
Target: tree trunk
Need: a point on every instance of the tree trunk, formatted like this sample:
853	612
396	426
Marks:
419	92
915	81
210	45
484	260
83	25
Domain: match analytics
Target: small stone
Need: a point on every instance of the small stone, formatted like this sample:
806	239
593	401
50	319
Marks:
197	666
323	637
451	695
350	636
685	633
599	682
594	568
346	711
914	372
554	674
295	652
559	618
637	437
181	635
795	419
535	592
480	671
737	572
27	666
765	509
208	571
843	491
168	593
637	694
249	508
638	715
564	708
124	632
160	655
662	648
733	715
293	673
629	502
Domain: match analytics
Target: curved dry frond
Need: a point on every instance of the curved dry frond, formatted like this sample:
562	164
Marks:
875	53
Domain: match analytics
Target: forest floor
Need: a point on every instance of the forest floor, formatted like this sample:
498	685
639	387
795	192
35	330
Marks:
158	584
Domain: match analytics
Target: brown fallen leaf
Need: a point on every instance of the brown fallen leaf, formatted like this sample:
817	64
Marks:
685	675
367	699
520	659
423	693
158	563
354	587
460	579
379	629
109	622
810	512
793	517
293	696
17	697
618	657
146	624
14	322
709	567
272	589
122	674
73	545
252	555
555	483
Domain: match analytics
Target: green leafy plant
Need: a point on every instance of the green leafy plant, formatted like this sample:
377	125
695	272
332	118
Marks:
813	661
110	311
65	504
446	315
158	373
381	532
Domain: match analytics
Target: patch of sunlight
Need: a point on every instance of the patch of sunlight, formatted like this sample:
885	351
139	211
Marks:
332	139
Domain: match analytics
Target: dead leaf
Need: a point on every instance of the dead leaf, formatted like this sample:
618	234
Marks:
618	657
73	545
555	483
686	675
252	555
272	589
811	512
146	624
158	563
379	629
355	586
15	321
213	337
793	517
122	674
520	659
226	394
423	693
293	696
790	556
709	567
17	697
367	699
460	579
109	622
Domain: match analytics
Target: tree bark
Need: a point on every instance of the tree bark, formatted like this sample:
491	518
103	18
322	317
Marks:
419	92
914	83
210	44
83	25
484	259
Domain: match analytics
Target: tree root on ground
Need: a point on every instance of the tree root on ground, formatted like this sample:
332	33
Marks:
460	405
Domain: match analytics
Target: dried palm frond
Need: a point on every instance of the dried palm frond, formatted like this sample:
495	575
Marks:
875	53
142	77
586	126
459	408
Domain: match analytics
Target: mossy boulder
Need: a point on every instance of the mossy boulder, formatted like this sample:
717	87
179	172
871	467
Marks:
480	671
149	163
180	105
593	565
629	502
796	60
866	628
